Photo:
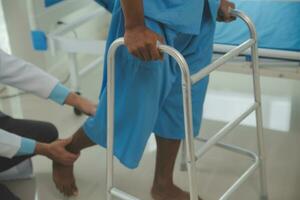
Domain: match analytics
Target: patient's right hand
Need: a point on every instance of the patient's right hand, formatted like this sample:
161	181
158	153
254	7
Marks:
142	43
64	179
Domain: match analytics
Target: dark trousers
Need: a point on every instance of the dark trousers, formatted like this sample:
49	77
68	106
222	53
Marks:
39	131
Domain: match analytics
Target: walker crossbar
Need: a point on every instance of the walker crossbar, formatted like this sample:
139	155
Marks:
222	60
224	131
187	82
249	171
122	195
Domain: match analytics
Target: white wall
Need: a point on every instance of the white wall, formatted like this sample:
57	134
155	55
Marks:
18	30
4	44
16	17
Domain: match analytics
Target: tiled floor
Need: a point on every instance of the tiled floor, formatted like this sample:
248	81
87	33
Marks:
217	170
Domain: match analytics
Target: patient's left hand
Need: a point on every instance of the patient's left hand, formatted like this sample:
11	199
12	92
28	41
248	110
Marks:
84	105
224	11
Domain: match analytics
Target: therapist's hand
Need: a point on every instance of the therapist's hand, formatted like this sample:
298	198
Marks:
224	11
57	152
81	103
142	43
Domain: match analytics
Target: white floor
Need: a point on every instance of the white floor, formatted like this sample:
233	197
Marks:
217	170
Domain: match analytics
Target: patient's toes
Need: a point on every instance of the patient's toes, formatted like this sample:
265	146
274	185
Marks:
75	189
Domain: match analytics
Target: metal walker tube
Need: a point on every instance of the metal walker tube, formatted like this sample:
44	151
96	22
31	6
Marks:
187	82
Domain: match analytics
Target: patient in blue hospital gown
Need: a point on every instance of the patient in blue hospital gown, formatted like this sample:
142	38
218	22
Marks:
148	84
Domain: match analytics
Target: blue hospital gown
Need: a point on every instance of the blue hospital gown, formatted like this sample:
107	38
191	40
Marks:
148	94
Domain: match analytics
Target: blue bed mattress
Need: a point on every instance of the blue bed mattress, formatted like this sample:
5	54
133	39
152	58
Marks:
277	23
49	3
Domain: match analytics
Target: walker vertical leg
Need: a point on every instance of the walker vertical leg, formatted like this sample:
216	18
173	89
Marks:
259	124
191	167
74	76
189	134
183	166
74	73
110	122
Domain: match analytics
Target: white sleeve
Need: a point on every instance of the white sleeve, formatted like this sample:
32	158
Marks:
9	144
25	76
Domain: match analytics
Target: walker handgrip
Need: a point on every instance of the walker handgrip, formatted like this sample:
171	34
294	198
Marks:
162	47
247	20
232	53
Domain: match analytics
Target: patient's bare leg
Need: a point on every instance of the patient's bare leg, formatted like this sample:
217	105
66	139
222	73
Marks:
63	176
163	187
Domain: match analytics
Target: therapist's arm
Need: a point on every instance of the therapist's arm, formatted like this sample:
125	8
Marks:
65	151
140	40
84	105
55	151
28	77
12	145
62	95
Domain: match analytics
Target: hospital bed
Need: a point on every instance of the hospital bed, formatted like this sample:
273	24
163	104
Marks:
51	32
190	154
278	28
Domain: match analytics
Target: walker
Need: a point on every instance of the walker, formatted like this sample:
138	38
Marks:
189	154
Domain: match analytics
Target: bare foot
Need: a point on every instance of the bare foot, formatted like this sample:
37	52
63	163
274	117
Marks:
171	191
64	179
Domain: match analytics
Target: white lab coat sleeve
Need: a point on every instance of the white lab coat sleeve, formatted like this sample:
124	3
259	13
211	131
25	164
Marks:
9	144
25	76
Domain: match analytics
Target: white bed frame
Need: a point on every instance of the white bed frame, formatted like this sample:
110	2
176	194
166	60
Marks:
273	63
41	18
